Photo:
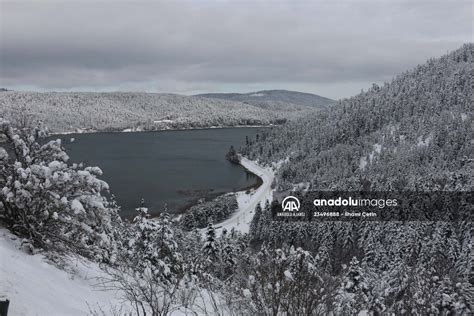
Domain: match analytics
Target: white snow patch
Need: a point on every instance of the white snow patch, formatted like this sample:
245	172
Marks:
302	186
393	129
163	121
77	207
288	275
77	131
247	293
424	142
132	130
3	153
363	163
54	165
377	150
257	94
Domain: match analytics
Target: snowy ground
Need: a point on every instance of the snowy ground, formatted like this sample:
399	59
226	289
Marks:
36	287
240	220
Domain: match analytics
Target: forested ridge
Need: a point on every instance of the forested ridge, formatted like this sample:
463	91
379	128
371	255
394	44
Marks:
75	111
412	134
268	99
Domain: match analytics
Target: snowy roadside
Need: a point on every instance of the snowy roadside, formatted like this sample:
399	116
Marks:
247	202
36	287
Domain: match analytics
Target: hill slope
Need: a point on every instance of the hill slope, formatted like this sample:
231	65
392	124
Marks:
417	127
413	134
267	98
63	112
35	286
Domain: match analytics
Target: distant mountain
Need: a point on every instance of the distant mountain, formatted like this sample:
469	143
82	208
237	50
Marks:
272	98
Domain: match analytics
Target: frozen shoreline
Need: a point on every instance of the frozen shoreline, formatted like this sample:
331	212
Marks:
247	202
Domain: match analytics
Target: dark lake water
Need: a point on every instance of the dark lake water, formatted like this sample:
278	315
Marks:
172	168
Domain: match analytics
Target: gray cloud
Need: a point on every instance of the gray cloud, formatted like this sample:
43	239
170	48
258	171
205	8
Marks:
332	48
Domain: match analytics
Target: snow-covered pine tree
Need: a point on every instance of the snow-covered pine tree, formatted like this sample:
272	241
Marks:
353	294
284	282
210	248
228	254
51	203
254	229
232	156
151	245
152	268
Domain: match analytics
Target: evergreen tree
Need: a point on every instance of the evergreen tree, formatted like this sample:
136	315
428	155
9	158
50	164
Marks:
254	229
353	295
210	248
53	204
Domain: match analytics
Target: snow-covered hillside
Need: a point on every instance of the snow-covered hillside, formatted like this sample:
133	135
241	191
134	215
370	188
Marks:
34	286
65	112
271	98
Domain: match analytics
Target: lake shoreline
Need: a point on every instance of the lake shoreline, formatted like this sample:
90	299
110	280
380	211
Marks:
248	201
213	196
156	130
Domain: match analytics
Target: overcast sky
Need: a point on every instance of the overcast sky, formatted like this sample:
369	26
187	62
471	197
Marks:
331	48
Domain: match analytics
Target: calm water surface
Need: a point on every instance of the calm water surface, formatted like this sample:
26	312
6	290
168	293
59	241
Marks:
172	168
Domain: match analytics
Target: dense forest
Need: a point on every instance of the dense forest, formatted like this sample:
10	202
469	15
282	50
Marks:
414	133
72	112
